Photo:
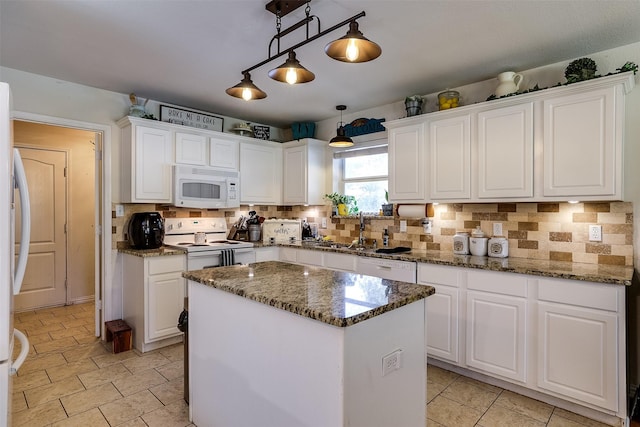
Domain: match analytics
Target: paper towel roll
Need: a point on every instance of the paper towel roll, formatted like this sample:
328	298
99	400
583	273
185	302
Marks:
414	211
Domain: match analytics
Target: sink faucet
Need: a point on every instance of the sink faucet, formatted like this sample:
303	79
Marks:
361	240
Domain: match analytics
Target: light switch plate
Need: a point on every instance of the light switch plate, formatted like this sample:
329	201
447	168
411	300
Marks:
119	211
323	223
497	229
403	226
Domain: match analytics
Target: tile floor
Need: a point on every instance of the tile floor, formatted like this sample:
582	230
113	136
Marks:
71	379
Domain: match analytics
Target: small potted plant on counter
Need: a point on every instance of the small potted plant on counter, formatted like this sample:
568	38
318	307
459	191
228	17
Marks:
343	205
387	208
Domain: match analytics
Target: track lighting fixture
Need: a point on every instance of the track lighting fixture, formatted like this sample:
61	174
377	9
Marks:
341	140
353	47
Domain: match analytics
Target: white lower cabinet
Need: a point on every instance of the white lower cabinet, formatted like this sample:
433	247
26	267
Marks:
309	257
153	297
342	262
267	253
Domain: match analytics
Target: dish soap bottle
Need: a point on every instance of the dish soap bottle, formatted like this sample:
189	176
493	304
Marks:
385	238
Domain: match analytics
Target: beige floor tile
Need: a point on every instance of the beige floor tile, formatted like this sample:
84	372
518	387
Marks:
452	414
84	351
41	362
18	402
137	422
38	339
29	381
74	322
499	416
140	381
83	401
87	339
173	352
130	407
33	323
433	389
147	361
42	415
110	358
58	373
57	326
526	406
92	418
173	415
170	391
172	370
31	315
104	375
560	415
56	319
69	332
480	384
431	423
56	345
46	393
470	394
440	376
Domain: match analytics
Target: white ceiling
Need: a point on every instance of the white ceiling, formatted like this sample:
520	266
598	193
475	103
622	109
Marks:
187	52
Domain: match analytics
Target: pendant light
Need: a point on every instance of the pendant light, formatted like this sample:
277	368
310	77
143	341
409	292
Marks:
353	47
341	140
246	89
291	72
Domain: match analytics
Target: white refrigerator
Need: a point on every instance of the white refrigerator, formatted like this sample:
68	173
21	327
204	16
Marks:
13	192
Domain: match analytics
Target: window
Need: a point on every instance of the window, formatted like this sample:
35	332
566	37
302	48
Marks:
364	174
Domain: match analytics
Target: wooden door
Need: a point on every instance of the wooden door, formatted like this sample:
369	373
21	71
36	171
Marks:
45	279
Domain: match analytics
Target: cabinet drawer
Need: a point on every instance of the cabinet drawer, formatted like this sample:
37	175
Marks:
288	255
584	294
437	274
340	262
499	283
309	257
167	264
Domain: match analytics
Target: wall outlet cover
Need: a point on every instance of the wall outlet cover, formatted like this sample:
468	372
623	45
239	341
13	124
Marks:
403	226
323	223
595	233
497	229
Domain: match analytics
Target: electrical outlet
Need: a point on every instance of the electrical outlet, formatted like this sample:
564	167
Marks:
403	226
426	224
595	233
119	211
497	229
391	362
323	223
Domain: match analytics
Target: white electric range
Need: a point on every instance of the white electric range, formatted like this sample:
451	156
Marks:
214	251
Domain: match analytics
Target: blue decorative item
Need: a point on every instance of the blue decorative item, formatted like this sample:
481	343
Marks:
363	127
303	130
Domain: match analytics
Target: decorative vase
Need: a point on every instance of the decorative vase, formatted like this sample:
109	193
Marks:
342	210
509	83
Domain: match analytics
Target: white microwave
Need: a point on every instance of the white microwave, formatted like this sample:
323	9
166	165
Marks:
201	187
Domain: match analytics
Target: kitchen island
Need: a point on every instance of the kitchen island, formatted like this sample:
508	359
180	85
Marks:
277	344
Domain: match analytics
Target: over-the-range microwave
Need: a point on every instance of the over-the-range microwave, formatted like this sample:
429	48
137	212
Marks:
202	187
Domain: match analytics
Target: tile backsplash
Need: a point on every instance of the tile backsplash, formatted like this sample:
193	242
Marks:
546	231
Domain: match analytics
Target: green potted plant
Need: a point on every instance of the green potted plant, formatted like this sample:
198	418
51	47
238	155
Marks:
343	205
387	208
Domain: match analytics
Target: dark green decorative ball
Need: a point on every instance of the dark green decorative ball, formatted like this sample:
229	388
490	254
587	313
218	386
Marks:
580	69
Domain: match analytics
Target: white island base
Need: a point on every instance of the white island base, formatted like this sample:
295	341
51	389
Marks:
255	365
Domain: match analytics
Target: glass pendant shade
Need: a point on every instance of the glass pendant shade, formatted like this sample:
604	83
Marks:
353	47
246	89
291	72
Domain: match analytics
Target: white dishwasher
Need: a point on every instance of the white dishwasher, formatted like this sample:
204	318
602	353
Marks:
404	271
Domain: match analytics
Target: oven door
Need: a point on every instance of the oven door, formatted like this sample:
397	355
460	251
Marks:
210	259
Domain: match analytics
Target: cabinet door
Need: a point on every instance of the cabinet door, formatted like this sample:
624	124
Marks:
223	153
407	164
295	177
505	152
270	253
582	152
165	302
578	353
441	320
153	151
191	149
260	174
309	257
496	334
342	262
450	158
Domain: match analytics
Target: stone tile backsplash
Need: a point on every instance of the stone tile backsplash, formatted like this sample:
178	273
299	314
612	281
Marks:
546	231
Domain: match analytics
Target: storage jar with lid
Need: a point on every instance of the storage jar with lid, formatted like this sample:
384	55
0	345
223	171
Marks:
498	247
478	243
461	243
448	99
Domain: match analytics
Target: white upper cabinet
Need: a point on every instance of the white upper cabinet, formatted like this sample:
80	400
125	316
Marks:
191	149
583	145
146	157
450	158
224	152
304	172
260	173
407	181
505	152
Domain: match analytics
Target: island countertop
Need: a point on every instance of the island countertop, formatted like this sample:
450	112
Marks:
334	297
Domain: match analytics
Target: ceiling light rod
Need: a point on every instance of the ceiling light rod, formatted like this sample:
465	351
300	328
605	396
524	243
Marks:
304	42
294	27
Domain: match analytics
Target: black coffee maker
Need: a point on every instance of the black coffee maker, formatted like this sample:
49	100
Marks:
146	230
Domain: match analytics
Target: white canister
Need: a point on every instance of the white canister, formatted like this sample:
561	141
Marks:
478	242
461	243
498	247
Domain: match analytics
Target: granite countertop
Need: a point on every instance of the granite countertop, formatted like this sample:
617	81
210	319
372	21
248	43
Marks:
333	297
599	273
161	251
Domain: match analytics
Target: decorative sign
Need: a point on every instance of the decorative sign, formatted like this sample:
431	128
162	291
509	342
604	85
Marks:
363	127
261	132
190	118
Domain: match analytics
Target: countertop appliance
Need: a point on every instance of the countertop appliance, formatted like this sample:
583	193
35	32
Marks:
11	272
205	188
146	230
216	249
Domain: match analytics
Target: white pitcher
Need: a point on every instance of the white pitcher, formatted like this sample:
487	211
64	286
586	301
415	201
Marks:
509	83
